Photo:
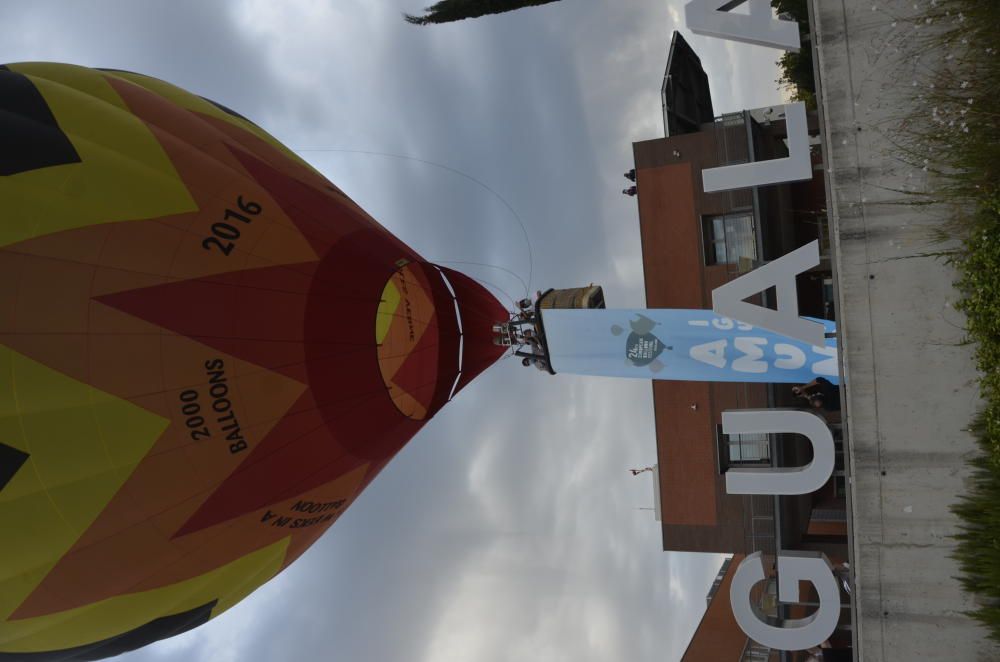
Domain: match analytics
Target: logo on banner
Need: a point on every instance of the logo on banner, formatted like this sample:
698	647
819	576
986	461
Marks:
642	347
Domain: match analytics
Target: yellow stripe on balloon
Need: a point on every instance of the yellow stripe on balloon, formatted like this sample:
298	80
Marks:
83	79
82	445
185	99
386	311
107	618
124	174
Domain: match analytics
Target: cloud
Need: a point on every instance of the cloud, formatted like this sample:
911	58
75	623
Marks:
579	549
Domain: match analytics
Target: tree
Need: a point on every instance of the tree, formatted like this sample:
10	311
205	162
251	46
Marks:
797	74
797	68
797	9
447	11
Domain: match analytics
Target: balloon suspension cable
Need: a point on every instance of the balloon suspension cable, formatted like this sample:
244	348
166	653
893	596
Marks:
456	171
493	286
489	266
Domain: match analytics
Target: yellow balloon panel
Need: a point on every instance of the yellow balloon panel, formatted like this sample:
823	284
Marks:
229	584
185	99
386	311
123	173
81	443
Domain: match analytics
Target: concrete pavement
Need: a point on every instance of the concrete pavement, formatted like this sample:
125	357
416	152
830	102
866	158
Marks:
910	383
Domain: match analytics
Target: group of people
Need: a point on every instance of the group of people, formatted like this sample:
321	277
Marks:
537	360
526	307
820	393
522	333
536	356
827	653
631	190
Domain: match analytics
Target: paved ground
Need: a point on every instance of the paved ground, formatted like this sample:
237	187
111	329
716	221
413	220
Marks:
910	384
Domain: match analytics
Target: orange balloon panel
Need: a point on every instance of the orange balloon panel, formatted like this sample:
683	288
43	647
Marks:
206	352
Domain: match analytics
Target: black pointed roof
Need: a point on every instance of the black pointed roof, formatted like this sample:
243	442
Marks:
687	100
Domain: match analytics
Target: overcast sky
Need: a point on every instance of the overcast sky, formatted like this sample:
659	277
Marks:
509	528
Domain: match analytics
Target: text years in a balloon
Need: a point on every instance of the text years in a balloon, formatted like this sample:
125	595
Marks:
218	410
226	232
327	511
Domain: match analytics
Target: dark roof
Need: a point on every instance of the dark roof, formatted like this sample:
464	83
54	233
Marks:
687	101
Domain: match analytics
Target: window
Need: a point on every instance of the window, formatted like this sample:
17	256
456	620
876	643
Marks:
729	238
742	449
715	240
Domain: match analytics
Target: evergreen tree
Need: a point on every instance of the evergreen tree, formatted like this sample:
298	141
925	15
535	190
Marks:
447	11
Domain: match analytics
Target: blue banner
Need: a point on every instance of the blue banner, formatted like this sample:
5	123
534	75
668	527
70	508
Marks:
692	345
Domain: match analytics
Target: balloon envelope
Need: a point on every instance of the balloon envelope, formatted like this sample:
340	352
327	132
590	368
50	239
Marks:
206	352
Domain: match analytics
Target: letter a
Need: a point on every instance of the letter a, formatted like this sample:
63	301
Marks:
728	299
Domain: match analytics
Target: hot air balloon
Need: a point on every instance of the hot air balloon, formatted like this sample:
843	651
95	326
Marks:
207	351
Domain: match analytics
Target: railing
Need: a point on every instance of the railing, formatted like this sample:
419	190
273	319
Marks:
759	526
754	652
759	517
732	139
766	598
752	448
759	523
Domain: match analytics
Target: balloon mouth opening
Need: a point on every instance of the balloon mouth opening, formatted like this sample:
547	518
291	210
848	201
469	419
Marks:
417	340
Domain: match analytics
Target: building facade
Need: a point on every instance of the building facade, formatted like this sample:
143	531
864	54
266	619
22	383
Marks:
692	243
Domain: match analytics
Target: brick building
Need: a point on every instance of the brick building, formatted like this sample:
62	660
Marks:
693	242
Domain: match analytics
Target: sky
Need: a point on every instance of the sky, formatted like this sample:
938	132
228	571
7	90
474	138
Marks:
509	528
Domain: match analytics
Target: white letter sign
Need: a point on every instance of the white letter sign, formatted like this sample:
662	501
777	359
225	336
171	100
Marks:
793	567
728	299
713	18
781	480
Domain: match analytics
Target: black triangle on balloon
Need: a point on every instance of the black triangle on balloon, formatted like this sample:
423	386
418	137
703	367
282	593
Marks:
11	460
